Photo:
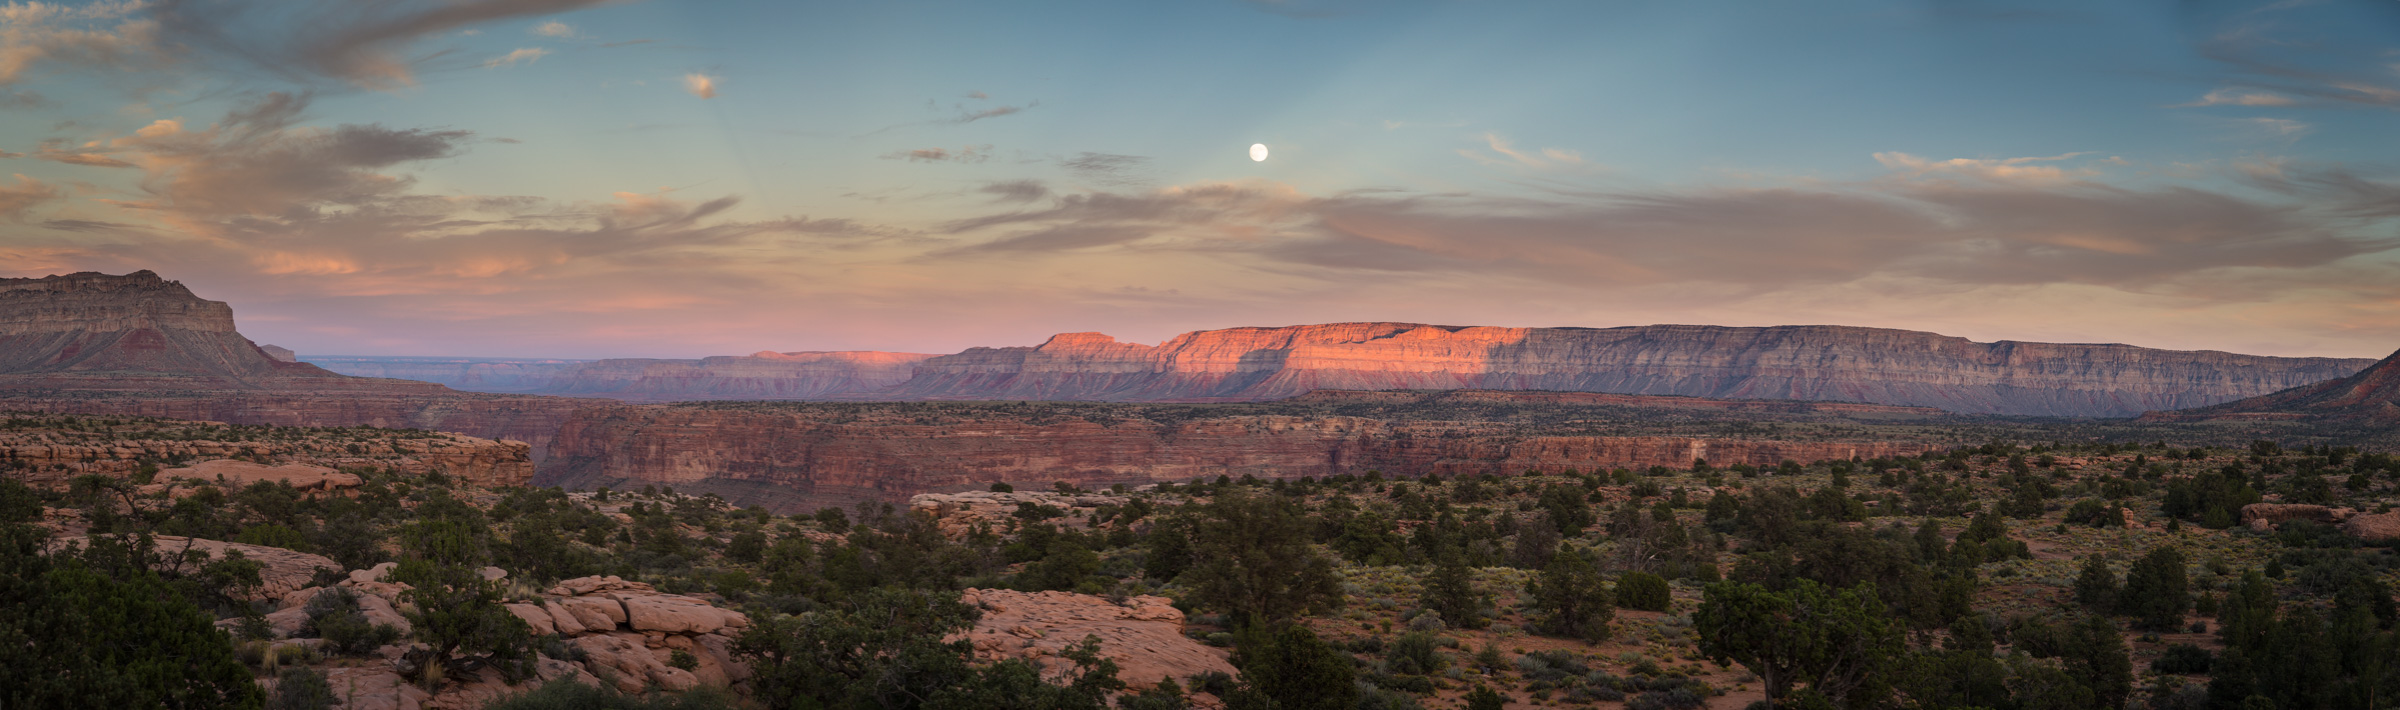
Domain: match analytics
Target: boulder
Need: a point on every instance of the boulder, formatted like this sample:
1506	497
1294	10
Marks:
2279	512
562	620
535	617
675	614
621	658
595	613
2373	527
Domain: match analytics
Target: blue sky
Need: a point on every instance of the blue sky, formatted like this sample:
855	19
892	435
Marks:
653	178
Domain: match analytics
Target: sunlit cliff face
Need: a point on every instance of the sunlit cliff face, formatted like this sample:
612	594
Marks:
588	179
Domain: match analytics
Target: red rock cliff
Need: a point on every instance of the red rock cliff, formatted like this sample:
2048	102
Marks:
802	459
1786	362
136	323
2371	396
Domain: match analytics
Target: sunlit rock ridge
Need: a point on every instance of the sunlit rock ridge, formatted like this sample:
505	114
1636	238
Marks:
1837	363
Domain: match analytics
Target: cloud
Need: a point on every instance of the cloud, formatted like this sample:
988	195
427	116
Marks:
2240	97
2279	127
965	116
701	85
107	35
1966	235
553	28
627	43
2323	67
1544	158
2021	170
1106	168
372	45
52	153
977	95
18	199
968	154
527	55
1015	190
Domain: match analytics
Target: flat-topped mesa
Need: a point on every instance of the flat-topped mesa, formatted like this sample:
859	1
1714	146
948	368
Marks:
135	324
1826	363
2372	396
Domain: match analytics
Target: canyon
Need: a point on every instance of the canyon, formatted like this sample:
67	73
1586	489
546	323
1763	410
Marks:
1812	363
796	457
1317	400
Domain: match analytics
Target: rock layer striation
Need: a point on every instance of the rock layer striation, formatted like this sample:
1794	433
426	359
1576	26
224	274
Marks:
1836	363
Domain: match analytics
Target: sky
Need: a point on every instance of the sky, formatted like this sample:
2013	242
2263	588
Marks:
667	178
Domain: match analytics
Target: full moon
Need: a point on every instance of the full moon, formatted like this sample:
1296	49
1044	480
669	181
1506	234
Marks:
1258	152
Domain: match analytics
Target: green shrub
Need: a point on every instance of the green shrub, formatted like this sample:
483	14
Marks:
301	688
1644	591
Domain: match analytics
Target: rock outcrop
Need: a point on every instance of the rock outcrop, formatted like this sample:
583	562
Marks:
625	634
1144	635
136	344
803	457
471	374
1785	362
136	323
2372	397
52	452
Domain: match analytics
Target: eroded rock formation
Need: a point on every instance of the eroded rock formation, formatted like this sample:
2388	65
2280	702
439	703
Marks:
2370	397
1144	634
1785	362
801	458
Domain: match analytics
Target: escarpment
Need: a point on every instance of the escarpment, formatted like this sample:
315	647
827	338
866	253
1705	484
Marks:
802	457
1836	363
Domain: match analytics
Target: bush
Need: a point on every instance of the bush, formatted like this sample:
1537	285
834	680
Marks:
1416	653
1677	699
1644	591
334	615
301	688
565	694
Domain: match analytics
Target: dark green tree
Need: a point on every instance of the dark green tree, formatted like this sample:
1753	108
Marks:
458	613
1253	560
1294	670
1571	598
1451	592
2096	585
1840	642
2156	591
72	636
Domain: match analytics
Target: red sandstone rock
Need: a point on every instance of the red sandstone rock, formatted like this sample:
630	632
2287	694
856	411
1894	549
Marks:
1785	362
1144	635
802	459
2373	527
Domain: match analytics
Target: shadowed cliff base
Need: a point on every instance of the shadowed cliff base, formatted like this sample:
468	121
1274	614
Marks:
791	456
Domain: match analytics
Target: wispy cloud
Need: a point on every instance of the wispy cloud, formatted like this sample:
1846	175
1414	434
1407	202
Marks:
2020	170
2240	97
527	55
967	154
1107	168
18	199
553	28
1509	154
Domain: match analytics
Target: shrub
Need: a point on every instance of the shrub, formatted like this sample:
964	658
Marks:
1416	653
334	615
301	688
566	694
1644	591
